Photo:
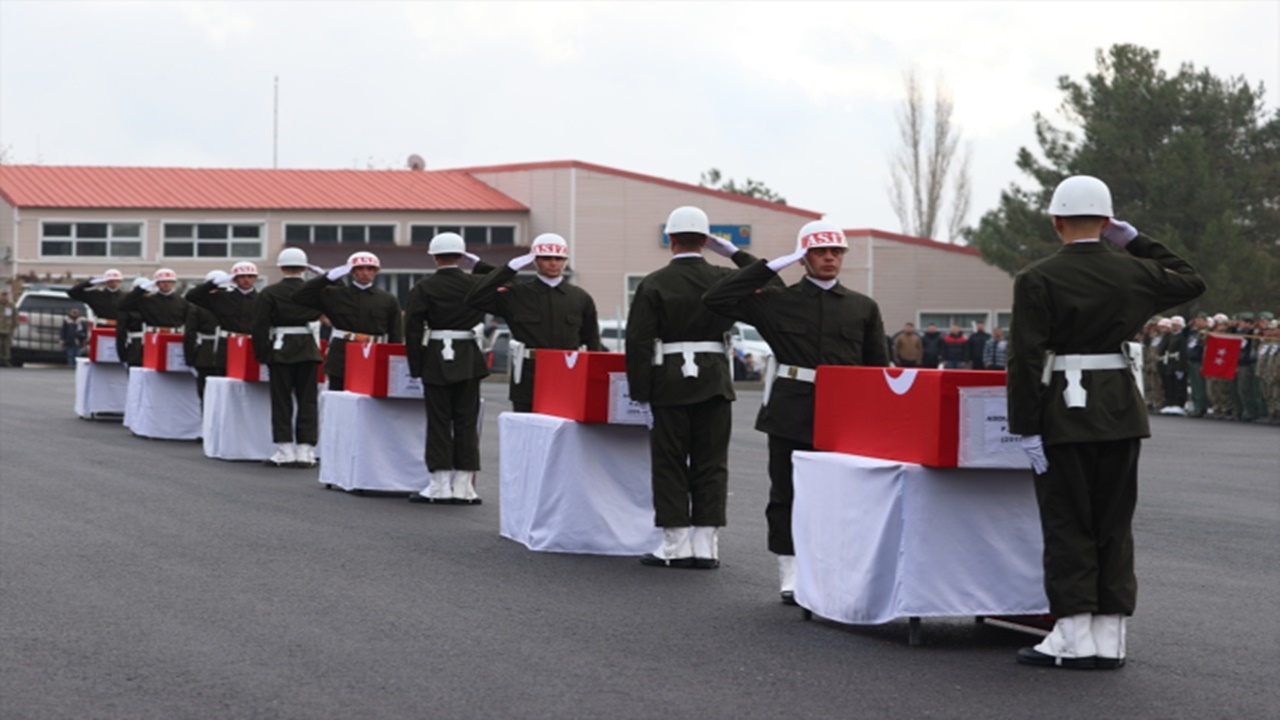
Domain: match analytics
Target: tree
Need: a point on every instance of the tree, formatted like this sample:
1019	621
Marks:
1191	159
751	188
928	160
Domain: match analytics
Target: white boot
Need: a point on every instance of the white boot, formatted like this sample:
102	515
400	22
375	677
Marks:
1108	638
464	488
676	549
437	491
1070	645
285	455
706	547
787	578
306	455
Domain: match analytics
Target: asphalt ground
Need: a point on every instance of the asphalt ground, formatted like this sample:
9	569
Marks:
139	579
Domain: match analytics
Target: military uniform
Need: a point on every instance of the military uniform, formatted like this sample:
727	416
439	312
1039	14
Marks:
1152	385
198	340
689	391
1086	300
284	342
103	301
8	324
1173	370
368	315
805	326
1245	388
129	336
155	310
562	317
1194	340
233	310
443	350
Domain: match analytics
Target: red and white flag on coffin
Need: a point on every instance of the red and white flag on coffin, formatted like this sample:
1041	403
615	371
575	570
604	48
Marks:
1221	353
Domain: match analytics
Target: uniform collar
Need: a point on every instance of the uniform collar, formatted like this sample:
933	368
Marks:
551	282
811	287
358	286
1084	247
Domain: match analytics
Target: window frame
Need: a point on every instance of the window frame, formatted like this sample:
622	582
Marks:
311	234
462	226
141	239
229	240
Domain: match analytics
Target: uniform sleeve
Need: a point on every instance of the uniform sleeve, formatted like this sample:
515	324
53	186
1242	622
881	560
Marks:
395	321
736	296
190	327
80	291
485	295
414	317
642	329
875	346
311	294
1181	282
131	301
202	295
1028	341
589	335
262	311
482	268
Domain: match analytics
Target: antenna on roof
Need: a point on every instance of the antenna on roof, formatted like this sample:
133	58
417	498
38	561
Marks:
417	163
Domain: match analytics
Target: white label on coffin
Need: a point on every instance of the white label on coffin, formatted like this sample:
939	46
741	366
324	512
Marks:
106	350
175	358
622	409
985	440
399	384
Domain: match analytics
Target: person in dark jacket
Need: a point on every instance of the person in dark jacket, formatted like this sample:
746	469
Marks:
443	348
102	295
199	338
359	312
230	297
1073	398
157	305
955	349
545	312
75	333
286	339
816	321
978	346
932	342
677	362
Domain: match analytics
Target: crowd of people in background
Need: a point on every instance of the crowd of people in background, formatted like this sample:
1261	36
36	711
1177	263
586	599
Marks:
978	350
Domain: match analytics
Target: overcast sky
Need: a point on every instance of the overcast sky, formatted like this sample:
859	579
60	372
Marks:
800	96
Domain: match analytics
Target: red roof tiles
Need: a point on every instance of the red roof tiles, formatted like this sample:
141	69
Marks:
223	189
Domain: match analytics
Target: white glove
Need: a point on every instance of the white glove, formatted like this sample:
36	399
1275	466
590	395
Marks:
98	281
316	269
222	278
338	272
522	262
1033	446
147	284
468	260
1119	232
778	264
720	246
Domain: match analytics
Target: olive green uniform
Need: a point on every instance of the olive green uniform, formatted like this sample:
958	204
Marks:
233	310
805	326
103	301
1195	362
450	386
293	360
370	311
540	316
198	340
1088	299
8	325
155	309
692	417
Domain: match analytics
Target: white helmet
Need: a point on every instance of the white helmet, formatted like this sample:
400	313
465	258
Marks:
137	282
244	267
1221	318
550	245
820	233
1178	320
1081	195
291	257
1165	323
447	244
688	219
211	275
164	274
113	274
364	258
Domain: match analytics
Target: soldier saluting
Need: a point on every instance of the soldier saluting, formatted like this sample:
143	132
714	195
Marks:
359	312
1073	398
444	350
545	312
677	361
816	321
102	295
159	311
231	306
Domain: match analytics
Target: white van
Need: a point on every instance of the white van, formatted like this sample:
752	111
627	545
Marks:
613	335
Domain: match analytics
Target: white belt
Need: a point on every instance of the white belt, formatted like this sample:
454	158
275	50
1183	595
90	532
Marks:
357	337
519	353
278	333
688	350
135	335
773	369
203	338
1074	367
161	329
448	336
228	333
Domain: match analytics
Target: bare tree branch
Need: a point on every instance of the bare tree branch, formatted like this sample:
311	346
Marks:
922	167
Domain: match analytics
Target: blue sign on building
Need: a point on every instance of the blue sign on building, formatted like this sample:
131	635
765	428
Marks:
739	235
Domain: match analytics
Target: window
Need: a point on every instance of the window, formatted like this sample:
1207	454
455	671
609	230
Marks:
472	234
213	240
91	239
944	320
1004	320
398	283
345	234
633	282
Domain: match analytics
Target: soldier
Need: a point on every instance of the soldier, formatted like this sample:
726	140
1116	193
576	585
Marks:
1072	397
1152	338
102	295
8	325
232	306
816	321
199	340
1221	390
545	312
129	330
285	339
677	362
443	349
1173	366
1270	349
1245	390
359	312
159	311
1193	337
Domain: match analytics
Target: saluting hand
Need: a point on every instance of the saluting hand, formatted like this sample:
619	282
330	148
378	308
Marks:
1119	232
147	284
468	260
720	246
338	272
316	269
97	281
222	278
777	264
522	262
